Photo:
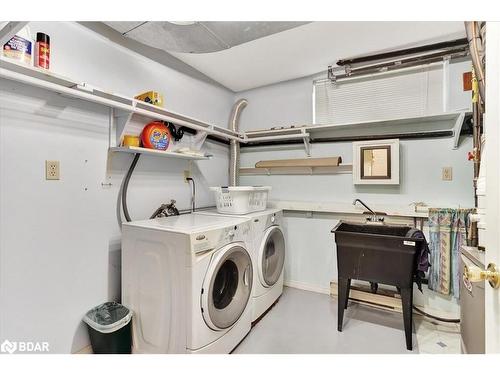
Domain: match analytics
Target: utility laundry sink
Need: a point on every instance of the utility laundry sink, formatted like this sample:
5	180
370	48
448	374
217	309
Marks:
378	253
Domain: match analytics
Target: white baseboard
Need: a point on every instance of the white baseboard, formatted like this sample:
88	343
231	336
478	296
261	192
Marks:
306	286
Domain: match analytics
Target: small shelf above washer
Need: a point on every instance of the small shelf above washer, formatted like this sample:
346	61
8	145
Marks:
165	154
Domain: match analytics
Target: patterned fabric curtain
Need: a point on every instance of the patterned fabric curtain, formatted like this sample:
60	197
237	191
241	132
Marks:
448	233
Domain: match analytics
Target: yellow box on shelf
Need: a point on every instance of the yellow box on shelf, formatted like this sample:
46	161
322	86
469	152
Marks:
151	97
131	140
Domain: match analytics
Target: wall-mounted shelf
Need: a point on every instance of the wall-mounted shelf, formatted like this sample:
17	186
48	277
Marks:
435	125
128	110
340	169
164	154
122	105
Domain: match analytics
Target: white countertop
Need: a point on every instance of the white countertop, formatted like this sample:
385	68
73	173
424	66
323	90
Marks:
348	208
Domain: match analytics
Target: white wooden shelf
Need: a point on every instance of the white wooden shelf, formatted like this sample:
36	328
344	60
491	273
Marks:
442	124
123	106
340	169
165	154
129	111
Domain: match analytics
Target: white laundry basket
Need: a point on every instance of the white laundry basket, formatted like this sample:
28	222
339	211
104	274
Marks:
237	200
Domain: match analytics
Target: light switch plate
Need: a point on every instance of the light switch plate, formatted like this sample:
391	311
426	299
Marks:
447	174
52	169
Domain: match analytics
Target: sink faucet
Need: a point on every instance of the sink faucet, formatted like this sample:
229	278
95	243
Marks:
374	218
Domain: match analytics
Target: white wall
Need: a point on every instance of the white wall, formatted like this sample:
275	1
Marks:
312	263
290	103
60	240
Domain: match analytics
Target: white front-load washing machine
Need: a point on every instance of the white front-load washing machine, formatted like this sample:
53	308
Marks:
188	280
268	256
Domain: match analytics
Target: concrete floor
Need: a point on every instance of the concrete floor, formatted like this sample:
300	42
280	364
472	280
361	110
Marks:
306	322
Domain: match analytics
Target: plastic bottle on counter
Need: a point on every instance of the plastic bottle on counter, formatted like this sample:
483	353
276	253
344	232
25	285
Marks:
42	51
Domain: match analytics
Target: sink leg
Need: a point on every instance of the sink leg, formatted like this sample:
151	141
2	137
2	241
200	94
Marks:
407	300
347	293
343	288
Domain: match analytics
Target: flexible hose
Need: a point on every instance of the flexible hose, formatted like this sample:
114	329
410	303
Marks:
436	317
125	186
234	147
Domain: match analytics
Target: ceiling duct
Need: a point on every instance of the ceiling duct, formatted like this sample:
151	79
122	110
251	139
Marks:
198	37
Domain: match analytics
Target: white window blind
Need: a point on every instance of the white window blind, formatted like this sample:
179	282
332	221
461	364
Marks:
385	96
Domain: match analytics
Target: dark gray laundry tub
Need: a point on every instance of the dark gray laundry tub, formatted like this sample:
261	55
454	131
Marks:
377	253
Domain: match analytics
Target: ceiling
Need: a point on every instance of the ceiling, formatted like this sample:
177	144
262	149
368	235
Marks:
274	52
198	37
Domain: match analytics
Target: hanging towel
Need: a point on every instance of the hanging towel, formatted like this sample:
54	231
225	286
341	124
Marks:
422	257
447	235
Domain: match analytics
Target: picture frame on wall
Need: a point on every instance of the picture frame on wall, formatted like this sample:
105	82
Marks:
376	162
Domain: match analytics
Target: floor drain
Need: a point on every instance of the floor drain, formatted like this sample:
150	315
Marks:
442	344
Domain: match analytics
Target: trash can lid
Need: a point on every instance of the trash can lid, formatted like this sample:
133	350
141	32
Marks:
108	317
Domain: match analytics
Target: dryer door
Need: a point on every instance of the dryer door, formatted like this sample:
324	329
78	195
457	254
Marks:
271	256
227	286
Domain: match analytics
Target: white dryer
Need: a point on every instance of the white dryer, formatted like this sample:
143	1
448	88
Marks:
268	256
188	280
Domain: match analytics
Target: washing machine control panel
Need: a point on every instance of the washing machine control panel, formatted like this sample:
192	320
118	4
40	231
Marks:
219	237
275	219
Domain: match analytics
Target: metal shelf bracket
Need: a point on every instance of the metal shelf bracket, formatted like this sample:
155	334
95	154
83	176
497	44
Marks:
307	143
457	129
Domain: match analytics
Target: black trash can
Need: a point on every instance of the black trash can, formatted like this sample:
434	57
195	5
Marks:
109	327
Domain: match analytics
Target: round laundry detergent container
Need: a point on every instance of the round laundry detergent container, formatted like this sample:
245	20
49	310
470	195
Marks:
156	135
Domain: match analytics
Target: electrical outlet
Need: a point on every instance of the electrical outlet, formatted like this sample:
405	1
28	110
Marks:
187	174
447	174
52	169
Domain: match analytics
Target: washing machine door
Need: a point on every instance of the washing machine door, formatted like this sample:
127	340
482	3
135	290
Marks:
227	286
271	256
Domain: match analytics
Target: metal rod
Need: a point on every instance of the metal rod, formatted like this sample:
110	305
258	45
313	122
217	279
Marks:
402	52
418	135
193	193
278	137
393	65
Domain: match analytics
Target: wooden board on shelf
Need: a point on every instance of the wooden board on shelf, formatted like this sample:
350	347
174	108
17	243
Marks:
343	168
333	161
386	300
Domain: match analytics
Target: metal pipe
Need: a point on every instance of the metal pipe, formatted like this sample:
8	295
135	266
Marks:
234	146
403	63
364	205
473	38
374	218
193	193
403	52
416	135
